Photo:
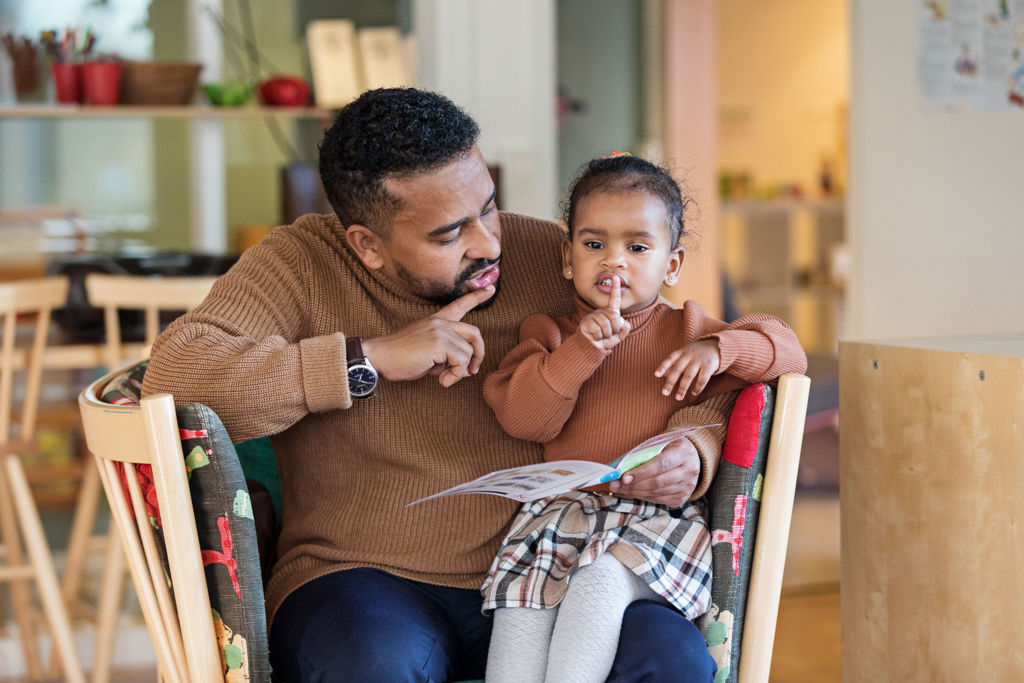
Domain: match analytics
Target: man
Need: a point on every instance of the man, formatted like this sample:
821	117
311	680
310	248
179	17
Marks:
359	342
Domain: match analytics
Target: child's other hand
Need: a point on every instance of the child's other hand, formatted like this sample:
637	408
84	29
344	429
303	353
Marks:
605	327
691	367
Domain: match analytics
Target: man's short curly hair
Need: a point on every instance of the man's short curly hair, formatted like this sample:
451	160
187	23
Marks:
389	132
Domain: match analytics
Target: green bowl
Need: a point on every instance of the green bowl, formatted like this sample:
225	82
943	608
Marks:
227	94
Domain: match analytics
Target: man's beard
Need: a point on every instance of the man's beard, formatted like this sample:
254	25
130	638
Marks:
441	294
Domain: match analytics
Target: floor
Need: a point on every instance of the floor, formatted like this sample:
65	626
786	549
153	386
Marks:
807	639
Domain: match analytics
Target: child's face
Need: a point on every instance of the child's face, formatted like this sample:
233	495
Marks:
624	235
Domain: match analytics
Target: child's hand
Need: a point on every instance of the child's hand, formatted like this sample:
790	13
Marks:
691	366
605	327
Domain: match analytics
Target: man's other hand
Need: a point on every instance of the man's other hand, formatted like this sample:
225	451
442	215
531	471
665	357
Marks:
440	344
669	478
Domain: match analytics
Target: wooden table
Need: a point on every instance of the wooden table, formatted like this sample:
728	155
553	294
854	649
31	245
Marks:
931	490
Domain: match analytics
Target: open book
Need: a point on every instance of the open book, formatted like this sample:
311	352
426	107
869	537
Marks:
531	482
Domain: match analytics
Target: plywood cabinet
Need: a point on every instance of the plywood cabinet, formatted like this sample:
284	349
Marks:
931	481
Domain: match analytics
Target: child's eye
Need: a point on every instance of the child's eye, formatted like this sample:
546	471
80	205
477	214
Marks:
638	248
592	244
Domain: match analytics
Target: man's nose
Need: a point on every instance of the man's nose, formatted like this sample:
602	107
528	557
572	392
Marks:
484	242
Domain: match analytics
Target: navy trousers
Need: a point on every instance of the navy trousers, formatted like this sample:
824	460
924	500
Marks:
367	625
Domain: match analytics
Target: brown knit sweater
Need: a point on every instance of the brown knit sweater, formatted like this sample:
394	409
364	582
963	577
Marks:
583	403
266	351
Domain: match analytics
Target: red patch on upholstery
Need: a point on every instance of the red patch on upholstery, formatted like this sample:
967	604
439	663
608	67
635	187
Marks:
744	426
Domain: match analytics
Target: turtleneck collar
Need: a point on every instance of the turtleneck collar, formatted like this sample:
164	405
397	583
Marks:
636	319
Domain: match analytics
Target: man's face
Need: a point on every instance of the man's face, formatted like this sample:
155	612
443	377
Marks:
446	239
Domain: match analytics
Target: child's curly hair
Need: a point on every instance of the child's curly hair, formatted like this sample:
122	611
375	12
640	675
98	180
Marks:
627	173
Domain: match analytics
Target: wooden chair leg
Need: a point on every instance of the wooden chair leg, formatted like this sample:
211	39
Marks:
111	590
45	574
18	573
81	531
82	523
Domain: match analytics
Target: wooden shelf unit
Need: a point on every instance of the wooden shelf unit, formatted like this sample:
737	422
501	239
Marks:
79	111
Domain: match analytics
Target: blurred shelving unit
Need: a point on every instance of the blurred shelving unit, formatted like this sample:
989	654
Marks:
787	257
58	111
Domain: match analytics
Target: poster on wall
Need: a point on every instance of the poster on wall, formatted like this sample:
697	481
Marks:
970	54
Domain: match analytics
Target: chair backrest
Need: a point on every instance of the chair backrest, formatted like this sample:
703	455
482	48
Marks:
37	297
147	434
773	528
150	294
749	506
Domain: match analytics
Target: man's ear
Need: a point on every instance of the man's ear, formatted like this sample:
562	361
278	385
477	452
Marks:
567	259
675	266
367	245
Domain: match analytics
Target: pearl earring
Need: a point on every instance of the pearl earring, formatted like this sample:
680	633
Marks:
568	272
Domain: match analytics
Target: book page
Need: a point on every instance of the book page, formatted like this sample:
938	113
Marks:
530	482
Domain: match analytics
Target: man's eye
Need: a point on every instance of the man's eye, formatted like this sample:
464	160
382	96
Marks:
591	244
451	239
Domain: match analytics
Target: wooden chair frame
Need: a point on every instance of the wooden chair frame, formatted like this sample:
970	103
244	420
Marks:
19	517
765	588
181	627
114	293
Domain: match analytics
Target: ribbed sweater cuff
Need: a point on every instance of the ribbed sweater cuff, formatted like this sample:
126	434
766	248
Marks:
571	364
324	376
743	357
709	440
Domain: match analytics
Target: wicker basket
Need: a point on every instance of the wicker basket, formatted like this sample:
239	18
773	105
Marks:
159	82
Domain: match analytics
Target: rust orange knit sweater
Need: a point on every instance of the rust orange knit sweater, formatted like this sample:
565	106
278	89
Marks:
584	403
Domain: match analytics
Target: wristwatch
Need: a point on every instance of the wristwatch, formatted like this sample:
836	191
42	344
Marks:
362	377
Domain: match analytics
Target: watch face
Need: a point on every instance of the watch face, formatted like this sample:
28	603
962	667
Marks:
362	380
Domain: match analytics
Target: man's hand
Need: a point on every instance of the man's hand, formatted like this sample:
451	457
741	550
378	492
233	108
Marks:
605	327
440	344
691	366
669	478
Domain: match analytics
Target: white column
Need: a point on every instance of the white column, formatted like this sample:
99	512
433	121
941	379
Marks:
496	59
209	185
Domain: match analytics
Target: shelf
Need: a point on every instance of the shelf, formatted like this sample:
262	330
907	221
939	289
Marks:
77	111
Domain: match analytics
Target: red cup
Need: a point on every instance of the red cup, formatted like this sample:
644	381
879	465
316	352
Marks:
67	78
101	82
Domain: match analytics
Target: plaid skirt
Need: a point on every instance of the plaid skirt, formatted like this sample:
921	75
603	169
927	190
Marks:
669	549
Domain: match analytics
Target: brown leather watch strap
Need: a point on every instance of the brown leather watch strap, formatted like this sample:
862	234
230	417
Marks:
353	349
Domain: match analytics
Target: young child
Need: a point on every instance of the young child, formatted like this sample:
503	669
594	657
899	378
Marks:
592	385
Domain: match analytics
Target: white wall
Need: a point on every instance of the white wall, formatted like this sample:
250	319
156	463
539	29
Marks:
935	202
496	59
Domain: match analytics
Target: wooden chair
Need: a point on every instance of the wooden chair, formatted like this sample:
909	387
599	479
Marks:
217	606
19	519
114	293
180	627
147	433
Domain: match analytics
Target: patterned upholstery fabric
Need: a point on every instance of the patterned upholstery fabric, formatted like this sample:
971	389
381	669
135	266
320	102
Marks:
226	529
734	503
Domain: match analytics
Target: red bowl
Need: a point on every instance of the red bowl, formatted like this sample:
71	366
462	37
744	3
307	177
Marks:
285	91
